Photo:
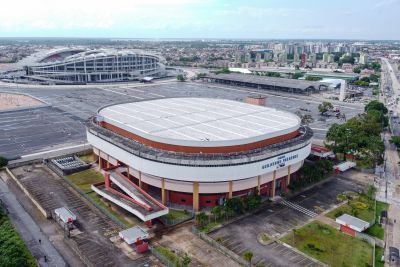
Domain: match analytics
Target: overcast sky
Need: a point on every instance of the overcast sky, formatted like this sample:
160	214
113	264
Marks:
347	19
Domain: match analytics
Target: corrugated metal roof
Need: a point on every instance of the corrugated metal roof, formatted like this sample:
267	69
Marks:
200	121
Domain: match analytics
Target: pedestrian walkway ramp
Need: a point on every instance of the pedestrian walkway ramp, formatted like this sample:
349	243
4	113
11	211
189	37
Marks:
118	189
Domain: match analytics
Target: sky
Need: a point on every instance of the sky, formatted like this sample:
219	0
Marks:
261	19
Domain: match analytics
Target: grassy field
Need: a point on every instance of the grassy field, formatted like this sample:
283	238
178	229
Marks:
120	215
87	158
377	230
84	179
13	251
361	207
177	214
331	246
378	255
175	259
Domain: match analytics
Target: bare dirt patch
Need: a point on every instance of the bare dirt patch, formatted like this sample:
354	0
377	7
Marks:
10	101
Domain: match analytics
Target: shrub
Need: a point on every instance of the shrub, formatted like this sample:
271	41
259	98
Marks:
3	162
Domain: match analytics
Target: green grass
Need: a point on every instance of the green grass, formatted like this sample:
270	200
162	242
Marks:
87	158
378	255
209	226
360	207
13	251
107	206
265	237
331	246
85	178
177	214
376	229
172	257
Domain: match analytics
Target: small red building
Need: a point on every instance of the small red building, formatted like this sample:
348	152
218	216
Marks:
351	225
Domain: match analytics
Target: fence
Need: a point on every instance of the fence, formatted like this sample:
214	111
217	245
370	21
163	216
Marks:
370	240
228	253
166	220
161	257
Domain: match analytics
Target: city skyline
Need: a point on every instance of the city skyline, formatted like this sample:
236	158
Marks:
193	19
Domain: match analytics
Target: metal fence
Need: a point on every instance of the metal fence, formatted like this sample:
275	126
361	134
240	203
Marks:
161	257
166	220
228	253
370	240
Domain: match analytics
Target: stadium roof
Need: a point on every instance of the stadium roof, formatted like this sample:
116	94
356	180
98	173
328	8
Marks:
200	122
264	80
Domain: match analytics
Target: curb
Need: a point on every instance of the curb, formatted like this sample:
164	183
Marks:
40	208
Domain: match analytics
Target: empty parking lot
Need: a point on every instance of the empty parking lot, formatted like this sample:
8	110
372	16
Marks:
29	131
277	219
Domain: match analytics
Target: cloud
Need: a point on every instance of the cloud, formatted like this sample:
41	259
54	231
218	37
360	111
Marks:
384	3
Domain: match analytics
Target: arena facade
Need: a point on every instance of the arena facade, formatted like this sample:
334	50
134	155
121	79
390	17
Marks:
197	152
75	65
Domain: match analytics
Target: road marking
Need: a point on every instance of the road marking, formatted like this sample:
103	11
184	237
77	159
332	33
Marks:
57	149
116	92
156	94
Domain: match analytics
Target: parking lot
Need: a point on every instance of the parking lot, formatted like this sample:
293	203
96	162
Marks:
93	243
279	218
35	130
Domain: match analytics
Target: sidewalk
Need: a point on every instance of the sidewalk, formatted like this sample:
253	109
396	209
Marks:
29	230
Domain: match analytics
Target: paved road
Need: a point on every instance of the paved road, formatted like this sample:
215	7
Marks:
389	187
29	230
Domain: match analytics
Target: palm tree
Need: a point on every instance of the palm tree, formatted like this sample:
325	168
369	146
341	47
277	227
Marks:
216	211
248	255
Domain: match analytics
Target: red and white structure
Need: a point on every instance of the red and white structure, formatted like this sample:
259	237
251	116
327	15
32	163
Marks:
351	225
198	152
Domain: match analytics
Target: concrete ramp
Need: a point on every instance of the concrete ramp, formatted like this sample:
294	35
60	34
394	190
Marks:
118	189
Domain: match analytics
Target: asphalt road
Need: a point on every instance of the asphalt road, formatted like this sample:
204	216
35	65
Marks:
25	132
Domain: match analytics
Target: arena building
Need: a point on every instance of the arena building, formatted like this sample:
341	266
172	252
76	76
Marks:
76	65
197	152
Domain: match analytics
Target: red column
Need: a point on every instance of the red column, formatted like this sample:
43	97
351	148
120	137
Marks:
149	223
107	180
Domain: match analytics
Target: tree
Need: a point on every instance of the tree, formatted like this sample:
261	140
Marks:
252	202
396	141
247	256
3	162
376	105
313	78
360	135
357	70
324	107
305	119
216	211
273	74
297	75
201	219
181	78
235	204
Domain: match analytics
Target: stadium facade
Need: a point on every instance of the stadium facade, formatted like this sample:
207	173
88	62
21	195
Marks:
197	152
74	65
